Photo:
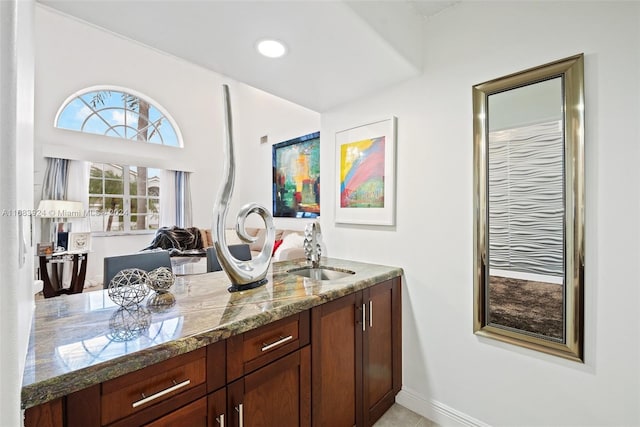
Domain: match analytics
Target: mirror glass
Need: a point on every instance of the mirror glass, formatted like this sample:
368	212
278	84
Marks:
529	190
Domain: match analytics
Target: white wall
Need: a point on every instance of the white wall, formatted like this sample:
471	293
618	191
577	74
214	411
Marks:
72	55
16	186
262	114
451	375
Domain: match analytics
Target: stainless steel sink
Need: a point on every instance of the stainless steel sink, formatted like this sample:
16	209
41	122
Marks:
322	273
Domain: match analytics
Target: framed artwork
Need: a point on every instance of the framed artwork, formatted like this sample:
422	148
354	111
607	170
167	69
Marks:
45	249
365	165
296	177
79	242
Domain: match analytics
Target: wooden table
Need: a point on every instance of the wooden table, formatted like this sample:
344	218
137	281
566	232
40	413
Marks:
53	282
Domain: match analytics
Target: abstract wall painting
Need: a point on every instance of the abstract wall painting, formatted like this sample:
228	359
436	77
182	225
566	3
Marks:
365	160
296	177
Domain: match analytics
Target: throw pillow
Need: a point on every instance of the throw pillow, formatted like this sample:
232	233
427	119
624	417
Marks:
291	240
276	245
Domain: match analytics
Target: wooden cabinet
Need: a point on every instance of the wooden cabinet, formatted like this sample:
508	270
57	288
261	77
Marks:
338	364
356	361
46	415
279	394
382	348
269	375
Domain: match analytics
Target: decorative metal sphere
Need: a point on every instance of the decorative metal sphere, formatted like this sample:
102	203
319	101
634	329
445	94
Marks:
129	286
161	301
161	279
128	323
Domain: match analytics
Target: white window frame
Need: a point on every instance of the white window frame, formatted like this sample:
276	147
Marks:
126	203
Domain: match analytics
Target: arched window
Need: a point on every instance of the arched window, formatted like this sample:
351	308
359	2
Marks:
123	197
118	113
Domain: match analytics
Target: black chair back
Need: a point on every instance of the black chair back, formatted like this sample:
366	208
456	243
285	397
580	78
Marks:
146	261
241	252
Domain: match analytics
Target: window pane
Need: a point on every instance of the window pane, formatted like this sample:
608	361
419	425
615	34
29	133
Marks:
138	222
114	223
95	186
113	187
95	125
96	214
113	204
96	203
112	171
96	170
153	205
153	221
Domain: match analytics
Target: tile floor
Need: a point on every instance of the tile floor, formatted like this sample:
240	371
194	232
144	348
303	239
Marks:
399	416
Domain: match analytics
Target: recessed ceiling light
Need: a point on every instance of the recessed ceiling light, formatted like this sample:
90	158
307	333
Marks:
271	48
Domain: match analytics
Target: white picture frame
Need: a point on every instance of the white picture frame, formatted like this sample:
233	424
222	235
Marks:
366	174
79	242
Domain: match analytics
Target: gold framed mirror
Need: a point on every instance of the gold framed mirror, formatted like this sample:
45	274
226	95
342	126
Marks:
528	136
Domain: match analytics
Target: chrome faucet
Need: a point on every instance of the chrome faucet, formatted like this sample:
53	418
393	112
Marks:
312	240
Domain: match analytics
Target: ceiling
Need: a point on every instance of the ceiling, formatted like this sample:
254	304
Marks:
337	50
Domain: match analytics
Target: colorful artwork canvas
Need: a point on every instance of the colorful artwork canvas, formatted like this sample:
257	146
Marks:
365	174
296	177
362	166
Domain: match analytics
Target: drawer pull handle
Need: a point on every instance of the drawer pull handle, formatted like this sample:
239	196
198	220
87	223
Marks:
364	317
282	340
220	420
240	410
370	313
154	396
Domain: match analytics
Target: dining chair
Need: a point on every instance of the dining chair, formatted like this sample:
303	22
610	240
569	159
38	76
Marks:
146	261
240	251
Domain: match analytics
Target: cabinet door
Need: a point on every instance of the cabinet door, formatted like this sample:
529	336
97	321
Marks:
217	412
337	362
45	415
381	348
192	415
276	395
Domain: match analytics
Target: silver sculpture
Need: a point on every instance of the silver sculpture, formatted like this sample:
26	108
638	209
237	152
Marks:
243	274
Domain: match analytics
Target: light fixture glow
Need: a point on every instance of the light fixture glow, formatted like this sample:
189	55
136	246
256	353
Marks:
271	48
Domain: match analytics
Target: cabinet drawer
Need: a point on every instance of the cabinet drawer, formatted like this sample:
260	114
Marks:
256	348
192	415
142	389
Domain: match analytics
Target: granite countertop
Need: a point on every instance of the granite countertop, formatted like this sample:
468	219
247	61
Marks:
84	339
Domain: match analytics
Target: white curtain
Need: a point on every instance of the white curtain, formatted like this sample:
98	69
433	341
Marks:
184	213
54	187
168	198
175	199
78	190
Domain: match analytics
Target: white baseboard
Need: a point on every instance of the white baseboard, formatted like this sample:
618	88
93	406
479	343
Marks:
437	412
